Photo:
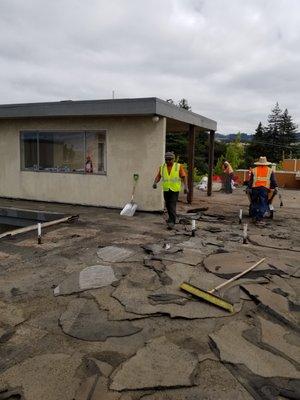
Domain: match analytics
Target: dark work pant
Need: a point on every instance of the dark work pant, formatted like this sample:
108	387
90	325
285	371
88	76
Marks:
171	199
227	183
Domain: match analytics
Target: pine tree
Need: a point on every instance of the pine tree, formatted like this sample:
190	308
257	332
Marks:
275	141
274	151
287	130
184	104
257	147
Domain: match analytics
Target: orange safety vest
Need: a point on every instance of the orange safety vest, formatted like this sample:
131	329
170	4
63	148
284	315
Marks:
261	176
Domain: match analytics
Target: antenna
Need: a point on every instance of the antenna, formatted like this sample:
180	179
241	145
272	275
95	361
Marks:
113	94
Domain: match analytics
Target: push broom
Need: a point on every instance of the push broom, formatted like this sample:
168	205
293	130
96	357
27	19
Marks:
210	297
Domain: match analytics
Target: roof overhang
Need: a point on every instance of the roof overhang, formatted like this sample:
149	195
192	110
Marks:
148	106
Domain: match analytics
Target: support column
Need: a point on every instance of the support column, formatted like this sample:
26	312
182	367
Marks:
191	162
210	161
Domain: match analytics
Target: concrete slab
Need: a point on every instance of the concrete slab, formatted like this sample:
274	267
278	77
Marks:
101	391
6	332
85	321
135	296
281	286
187	256
114	253
58	237
285	264
11	314
268	241
213	382
133	238
275	336
115	310
86	388
235	349
159	364
89	278
229	264
272	303
47	377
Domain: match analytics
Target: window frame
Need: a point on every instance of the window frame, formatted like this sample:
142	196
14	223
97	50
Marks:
84	132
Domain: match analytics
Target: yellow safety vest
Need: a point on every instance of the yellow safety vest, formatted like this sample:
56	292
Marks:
261	176
170	181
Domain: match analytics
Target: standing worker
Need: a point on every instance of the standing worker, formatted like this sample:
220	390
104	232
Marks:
228	176
172	174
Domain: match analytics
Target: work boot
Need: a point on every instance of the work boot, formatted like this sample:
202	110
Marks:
170	225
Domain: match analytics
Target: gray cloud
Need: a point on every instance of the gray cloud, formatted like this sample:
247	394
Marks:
231	59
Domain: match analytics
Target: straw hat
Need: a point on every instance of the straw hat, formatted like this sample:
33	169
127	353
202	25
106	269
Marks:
262	161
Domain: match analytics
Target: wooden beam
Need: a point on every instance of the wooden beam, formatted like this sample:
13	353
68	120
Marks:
191	162
210	161
34	227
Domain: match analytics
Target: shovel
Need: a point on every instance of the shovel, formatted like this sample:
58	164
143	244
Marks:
129	208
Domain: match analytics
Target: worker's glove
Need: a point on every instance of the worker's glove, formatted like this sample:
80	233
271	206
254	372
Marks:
186	190
154	185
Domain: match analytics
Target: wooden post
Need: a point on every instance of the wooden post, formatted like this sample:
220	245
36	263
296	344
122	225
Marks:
191	162
210	161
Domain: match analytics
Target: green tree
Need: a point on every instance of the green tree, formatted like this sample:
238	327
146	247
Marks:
275	141
235	152
256	147
218	168
183	103
273	151
287	135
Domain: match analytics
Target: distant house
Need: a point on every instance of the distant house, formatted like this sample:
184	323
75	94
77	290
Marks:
86	152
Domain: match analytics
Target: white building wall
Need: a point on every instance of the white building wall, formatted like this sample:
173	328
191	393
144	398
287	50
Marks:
134	145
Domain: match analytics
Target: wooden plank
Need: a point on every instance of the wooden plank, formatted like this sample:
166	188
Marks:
34	227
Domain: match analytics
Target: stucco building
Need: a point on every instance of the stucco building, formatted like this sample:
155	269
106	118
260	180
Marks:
86	152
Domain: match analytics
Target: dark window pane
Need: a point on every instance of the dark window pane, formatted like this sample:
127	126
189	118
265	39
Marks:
61	152
29	150
95	148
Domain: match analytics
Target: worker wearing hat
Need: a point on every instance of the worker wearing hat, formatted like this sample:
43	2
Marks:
172	174
262	175
228	175
262	188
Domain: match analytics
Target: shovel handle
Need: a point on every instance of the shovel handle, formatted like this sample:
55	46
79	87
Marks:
237	276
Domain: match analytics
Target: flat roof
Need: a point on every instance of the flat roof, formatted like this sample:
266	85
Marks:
106	108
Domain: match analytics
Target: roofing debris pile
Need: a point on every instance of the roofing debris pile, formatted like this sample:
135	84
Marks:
113	323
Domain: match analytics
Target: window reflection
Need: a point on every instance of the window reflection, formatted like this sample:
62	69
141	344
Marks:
77	152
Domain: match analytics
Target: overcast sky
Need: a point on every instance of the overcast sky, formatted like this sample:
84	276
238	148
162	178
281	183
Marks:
232	59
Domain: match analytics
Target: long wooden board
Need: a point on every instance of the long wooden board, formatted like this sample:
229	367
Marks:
34	227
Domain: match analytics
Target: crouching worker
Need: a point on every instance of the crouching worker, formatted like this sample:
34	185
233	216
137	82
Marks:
172	174
262	188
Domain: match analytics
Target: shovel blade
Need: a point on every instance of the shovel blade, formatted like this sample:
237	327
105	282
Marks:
129	209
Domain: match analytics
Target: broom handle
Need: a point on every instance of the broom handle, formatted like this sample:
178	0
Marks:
237	276
133	189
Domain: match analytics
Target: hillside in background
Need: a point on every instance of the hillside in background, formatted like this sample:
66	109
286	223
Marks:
245	137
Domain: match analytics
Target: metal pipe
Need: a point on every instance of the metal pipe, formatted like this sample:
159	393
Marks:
39	229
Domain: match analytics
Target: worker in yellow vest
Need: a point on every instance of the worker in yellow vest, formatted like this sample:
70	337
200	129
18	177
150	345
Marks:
262	188
172	174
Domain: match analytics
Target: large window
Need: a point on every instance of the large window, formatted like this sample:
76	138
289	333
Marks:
29	159
77	152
